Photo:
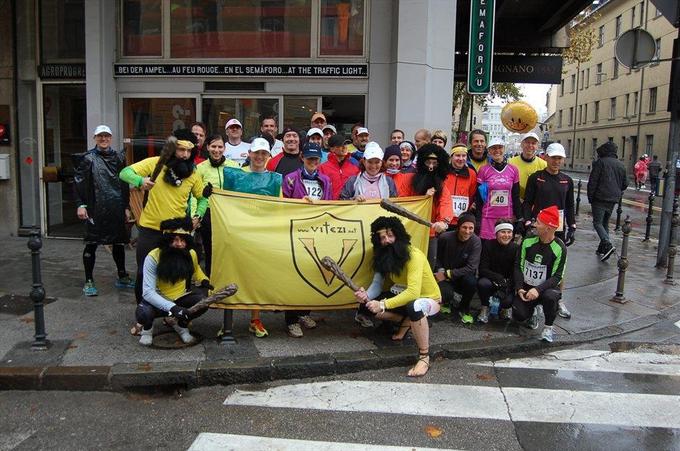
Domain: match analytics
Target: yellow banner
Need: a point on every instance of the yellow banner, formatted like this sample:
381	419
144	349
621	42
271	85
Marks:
272	248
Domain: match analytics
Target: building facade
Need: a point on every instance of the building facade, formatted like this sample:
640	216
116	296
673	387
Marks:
147	67
601	100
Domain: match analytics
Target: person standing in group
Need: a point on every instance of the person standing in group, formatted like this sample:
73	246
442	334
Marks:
103	204
606	184
309	184
478	154
176	179
551	186
268	127
397	136
200	131
211	172
392	161
289	160
497	191
461	182
421	137
338	168
408	153
527	162
361	137
234	148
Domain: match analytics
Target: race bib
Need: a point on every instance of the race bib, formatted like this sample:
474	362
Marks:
534	274
499	198
460	204
313	189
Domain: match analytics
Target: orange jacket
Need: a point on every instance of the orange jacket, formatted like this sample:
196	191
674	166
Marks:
462	184
442	209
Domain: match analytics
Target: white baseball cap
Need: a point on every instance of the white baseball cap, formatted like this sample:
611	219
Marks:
373	150
314	131
496	142
556	150
259	144
362	131
531	135
102	129
233	122
330	127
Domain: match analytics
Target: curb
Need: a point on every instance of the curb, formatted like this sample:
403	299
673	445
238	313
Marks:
154	375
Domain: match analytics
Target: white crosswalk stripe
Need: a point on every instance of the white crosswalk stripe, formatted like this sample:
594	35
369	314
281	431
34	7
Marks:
222	442
537	400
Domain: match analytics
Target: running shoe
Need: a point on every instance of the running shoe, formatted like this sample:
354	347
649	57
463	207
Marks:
294	330
125	282
257	328
506	313
547	334
563	311
363	320
146	337
89	289
307	322
445	309
532	323
483	316
607	252
466	318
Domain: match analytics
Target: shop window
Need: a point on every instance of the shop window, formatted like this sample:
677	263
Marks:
345	111
217	111
142	26
62	30
147	122
342	27
240	29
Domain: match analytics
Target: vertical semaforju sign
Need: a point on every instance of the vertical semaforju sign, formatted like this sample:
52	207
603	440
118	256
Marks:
480	52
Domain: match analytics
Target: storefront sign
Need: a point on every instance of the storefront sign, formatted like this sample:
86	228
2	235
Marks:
68	71
243	70
519	69
480	51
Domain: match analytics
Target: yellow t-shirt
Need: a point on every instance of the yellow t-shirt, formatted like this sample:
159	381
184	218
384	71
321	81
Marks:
418	279
173	291
165	201
525	170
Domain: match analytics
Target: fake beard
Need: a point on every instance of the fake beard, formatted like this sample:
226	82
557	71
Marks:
392	258
422	181
178	170
175	265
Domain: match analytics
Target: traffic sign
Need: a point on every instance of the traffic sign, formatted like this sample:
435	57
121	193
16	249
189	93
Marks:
480	52
635	48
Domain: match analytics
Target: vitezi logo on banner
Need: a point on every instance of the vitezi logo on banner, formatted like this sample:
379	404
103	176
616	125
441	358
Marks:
480	52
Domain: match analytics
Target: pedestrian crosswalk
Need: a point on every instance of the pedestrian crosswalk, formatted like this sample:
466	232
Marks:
637	390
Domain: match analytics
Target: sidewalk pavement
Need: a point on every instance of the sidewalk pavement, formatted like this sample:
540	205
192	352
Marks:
92	348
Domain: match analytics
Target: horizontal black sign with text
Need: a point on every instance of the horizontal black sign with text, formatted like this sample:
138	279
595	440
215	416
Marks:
62	71
518	69
243	70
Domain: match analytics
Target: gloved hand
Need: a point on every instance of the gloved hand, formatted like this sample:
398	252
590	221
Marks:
205	283
179	312
570	237
207	191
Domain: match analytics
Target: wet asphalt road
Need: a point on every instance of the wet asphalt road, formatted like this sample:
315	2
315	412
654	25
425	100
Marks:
541	403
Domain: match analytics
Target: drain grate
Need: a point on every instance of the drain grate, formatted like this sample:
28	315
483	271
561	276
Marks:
14	304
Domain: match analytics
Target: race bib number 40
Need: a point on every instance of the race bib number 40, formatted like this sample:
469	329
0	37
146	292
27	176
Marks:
460	204
313	189
534	274
499	198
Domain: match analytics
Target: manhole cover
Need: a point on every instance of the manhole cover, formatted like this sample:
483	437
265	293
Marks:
14	304
170	340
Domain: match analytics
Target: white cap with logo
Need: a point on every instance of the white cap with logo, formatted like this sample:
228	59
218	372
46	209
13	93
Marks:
496	142
362	131
102	129
531	135
373	150
556	150
260	144
314	131
233	122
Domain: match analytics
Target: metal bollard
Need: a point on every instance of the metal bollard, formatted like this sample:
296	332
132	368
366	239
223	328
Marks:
672	249
623	263
650	210
619	210
37	295
578	196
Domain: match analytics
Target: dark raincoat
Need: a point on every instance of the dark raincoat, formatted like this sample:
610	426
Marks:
106	196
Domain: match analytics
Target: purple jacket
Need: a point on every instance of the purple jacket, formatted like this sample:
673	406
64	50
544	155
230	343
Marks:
294	188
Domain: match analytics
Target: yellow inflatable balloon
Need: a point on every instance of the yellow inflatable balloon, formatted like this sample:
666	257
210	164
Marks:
519	117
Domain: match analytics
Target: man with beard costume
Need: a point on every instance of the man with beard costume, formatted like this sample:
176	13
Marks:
168	272
168	194
414	294
431	171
